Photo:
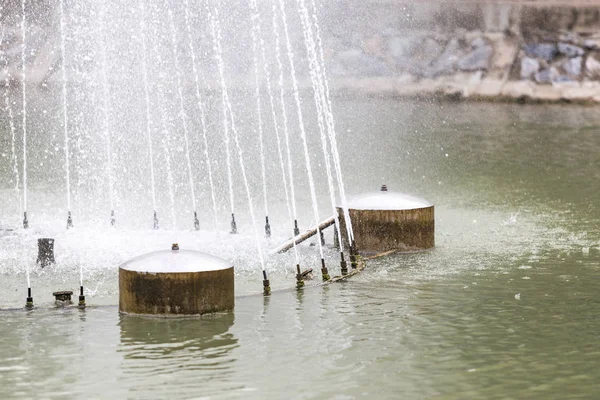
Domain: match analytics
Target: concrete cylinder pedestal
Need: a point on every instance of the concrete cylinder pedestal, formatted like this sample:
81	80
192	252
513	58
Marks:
384	221
176	282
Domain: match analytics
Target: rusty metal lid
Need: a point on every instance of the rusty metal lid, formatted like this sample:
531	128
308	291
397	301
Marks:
386	200
173	261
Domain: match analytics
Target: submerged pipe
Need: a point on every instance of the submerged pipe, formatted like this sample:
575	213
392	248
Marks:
301	238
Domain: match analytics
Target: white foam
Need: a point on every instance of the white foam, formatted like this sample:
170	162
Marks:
168	261
387	201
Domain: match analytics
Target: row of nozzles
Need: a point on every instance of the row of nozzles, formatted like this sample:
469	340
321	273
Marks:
156	225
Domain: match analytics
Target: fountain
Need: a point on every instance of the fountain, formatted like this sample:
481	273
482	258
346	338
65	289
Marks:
170	138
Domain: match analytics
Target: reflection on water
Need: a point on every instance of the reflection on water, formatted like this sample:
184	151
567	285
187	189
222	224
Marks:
159	350
505	306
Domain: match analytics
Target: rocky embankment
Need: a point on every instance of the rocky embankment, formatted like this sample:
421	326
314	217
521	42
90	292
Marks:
501	52
545	51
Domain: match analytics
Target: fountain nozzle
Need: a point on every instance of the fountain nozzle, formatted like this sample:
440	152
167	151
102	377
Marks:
155	221
81	298
267	228
324	271
25	221
69	220
196	222
353	254
296	229
233	225
29	301
266	284
343	264
113	220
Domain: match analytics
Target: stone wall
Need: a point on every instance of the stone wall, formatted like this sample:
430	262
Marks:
538	50
469	50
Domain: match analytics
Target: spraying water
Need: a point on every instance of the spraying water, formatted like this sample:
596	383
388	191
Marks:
320	105
24	112
224	100
267	72
286	133
259	109
11	123
216	33
147	100
65	109
179	75
330	122
311	182
167	153
27	274
201	111
164	131
107	110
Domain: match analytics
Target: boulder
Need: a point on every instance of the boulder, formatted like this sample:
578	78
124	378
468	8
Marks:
547	75
477	59
563	79
573	66
592	68
446	63
424	55
529	67
545	51
570	50
592	44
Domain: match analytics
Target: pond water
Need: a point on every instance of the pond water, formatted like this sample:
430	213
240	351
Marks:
505	306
